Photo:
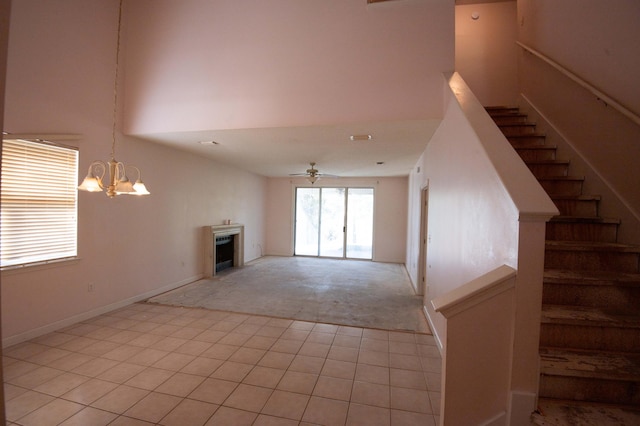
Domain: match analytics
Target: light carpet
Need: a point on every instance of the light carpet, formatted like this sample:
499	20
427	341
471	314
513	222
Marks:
345	292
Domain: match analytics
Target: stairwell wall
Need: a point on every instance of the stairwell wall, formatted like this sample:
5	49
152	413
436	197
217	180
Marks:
598	42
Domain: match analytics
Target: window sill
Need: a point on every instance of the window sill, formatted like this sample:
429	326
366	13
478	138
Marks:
37	266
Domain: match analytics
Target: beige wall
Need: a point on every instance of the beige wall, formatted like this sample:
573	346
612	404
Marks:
598	42
60	79
486	51
390	213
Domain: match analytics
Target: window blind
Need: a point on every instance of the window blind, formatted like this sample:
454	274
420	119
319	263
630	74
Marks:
39	202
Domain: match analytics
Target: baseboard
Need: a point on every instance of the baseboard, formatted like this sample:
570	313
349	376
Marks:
40	331
497	420
434	332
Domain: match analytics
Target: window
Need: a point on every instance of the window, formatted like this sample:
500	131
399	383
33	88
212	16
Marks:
39	202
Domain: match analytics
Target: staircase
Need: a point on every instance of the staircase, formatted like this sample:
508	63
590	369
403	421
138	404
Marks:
590	331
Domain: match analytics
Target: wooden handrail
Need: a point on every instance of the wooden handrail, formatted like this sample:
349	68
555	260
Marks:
608	100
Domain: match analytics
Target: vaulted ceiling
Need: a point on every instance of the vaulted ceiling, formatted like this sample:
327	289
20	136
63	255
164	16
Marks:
283	83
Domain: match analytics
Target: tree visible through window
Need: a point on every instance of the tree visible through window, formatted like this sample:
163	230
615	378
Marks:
39	202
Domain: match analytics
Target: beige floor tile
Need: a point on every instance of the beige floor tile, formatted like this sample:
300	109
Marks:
267	420
35	377
403	418
428	351
341	353
120	399
408	379
48	356
224	326
11	391
77	344
366	415
400	336
295	334
165	329
286	404
25	403
193	347
434	382
247	397
302	325
276	360
271	331
264	376
25	350
370	344
372	374
403	348
370	394
381	359
70	361
307	364
350	331
247	355
90	416
280	322
51	414
294	381
53	339
235	339
347	341
174	361
233	371
99	348
128	421
220	351
323	411
189	413
214	391
122	353
413	400
375	334
149	378
121	372
61	384
95	367
435	398
287	346
17	368
314	349
405	362
260	342
432	365
90	391
249	329
326	328
339	369
124	336
333	388
256	319
145	340
202	366
318	337
226	416
169	344
187	333
180	384
153	407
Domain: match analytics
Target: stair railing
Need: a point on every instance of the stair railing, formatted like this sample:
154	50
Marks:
600	95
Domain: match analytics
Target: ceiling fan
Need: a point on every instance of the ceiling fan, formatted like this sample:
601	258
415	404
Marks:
313	174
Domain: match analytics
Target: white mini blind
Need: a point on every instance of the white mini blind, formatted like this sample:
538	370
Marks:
39	219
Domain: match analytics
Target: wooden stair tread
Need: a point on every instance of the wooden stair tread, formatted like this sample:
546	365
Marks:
575	197
587	316
585	219
565	276
559	412
590	364
590	246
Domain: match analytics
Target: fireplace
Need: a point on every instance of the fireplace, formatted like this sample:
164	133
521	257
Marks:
224	248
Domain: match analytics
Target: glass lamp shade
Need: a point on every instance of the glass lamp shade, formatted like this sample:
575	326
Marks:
139	188
124	186
91	184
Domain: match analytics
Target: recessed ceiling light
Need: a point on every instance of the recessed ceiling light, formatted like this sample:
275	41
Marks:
380	163
360	137
208	143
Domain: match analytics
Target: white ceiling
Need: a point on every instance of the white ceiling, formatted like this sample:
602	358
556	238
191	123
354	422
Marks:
281	151
283	84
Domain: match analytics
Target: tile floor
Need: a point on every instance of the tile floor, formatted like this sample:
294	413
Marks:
148	364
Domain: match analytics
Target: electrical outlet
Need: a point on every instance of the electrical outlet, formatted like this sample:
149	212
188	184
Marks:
90	287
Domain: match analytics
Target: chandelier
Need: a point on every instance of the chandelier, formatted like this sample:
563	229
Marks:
118	183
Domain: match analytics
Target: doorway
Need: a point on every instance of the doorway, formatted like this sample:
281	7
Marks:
334	222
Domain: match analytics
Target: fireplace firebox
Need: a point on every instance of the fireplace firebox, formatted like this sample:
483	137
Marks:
224	248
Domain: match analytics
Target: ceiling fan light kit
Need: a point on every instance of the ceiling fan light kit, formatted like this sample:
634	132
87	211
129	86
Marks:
355	138
313	174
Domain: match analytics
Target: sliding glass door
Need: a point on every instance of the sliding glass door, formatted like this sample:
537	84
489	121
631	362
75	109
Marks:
334	222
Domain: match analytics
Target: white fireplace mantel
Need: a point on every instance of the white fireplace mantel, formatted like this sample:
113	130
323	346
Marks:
210	234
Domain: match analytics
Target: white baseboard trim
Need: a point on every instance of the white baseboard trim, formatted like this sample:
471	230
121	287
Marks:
40	331
433	330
